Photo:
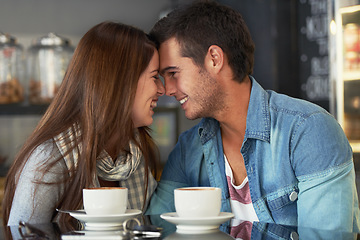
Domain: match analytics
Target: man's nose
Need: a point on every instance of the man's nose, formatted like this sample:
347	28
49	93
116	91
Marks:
170	87
160	88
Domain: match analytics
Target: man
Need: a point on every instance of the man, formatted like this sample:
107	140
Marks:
277	159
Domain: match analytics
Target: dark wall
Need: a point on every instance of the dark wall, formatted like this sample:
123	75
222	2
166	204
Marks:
313	38
291	39
273	25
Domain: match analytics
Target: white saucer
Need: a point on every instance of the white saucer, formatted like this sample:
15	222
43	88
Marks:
105	234
197	225
104	222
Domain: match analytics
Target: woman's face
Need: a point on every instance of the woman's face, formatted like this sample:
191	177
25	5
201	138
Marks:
148	90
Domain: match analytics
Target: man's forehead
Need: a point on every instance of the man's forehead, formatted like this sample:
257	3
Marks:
171	42
170	47
170	56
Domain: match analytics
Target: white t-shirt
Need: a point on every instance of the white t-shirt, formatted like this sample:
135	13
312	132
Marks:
240	199
241	206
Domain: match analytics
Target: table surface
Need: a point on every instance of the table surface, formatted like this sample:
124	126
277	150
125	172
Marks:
169	231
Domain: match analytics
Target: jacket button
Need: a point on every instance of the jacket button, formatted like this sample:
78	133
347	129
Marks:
294	236
293	196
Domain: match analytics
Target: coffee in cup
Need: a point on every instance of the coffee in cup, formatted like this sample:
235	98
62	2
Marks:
105	200
197	202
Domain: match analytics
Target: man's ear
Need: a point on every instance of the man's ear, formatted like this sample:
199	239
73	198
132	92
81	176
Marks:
214	58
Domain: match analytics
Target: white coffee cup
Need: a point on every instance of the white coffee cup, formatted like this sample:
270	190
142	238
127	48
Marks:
197	202
105	200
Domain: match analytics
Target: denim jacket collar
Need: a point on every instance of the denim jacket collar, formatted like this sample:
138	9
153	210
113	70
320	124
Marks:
258	117
258	111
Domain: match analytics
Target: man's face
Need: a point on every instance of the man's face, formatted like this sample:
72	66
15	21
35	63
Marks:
196	90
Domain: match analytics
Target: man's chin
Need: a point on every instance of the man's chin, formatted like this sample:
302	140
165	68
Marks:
191	116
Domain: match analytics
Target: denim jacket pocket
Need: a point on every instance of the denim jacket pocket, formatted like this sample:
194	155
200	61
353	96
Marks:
282	198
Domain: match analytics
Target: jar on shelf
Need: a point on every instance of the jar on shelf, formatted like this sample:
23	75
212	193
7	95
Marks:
11	70
351	47
48	58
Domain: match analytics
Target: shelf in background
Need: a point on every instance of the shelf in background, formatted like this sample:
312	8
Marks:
22	109
355	145
26	109
351	75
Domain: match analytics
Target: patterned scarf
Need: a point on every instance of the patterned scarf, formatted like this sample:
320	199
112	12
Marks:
120	169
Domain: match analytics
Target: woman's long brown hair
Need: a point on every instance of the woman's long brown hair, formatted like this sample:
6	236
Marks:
97	93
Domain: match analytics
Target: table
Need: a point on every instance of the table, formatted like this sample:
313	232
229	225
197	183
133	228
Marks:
255	230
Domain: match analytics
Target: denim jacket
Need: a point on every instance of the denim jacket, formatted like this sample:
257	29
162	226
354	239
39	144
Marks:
298	160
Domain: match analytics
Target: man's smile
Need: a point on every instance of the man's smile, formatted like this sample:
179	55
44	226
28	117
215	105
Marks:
182	101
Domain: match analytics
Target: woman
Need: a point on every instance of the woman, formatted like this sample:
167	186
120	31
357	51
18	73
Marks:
94	132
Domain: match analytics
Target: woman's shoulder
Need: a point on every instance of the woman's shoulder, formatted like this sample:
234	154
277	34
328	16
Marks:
45	153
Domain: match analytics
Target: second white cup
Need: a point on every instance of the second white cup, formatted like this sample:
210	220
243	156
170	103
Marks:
197	202
105	200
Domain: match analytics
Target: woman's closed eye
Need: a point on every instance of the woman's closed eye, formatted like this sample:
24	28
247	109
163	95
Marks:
156	77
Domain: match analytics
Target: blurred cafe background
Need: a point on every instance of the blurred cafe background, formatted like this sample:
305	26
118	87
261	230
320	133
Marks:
308	49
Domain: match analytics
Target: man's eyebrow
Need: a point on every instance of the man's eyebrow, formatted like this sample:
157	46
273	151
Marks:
162	71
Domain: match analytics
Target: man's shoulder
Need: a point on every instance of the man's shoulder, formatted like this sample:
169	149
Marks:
282	103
